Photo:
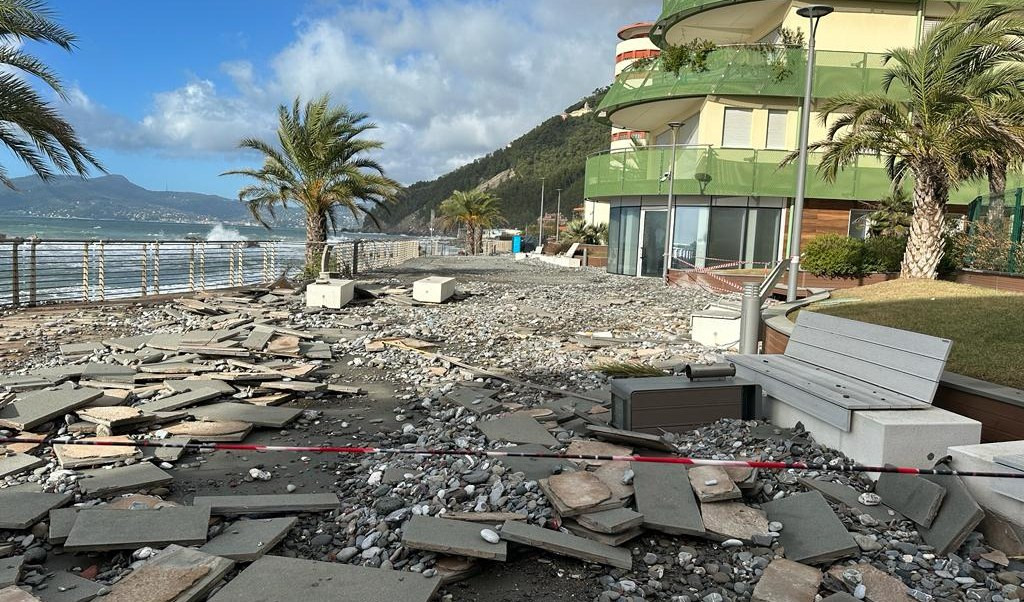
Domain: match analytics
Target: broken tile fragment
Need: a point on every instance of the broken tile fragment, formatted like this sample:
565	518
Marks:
566	545
712	484
450	537
247	540
665	498
912	496
811	533
787	581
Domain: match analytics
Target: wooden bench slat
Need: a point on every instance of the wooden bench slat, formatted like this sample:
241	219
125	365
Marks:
905	340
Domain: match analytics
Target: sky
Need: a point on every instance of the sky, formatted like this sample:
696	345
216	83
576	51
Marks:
162	91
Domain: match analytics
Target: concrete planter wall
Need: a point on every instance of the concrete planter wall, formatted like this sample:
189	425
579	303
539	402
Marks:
805	281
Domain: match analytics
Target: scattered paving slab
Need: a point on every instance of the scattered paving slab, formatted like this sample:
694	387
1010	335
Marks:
10	570
16	594
516	428
108	372
247	540
912	496
212	430
597	448
880	586
181	400
451	537
483	517
264	416
474	399
566	545
105	482
22	509
610	539
232	505
733	520
78	456
631	438
811	532
577	492
840	597
99	529
61	521
535	469
80	349
279	578
38	407
612	474
63	586
199	383
616	520
15	464
167	454
665	498
176	574
712	484
847	496
957	518
787	581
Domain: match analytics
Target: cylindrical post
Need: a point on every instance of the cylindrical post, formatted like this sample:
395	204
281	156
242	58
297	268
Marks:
156	267
355	257
540	221
33	271
144	268
750	319
558	217
675	125
15	276
101	275
586	257
85	272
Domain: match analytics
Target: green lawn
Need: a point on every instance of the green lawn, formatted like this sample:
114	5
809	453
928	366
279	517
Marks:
985	325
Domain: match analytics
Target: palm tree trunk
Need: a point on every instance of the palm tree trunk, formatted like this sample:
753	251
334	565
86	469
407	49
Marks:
316	236
925	245
470	239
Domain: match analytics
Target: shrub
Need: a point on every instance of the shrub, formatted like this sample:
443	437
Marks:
834	256
884	253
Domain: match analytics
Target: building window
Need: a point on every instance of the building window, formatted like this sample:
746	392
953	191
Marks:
689	237
736	128
860	223
623	240
929	25
738	236
776	138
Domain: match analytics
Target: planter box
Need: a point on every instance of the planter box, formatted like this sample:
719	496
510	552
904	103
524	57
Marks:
677	404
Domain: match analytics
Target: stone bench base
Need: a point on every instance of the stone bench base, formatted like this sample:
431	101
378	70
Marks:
1001	496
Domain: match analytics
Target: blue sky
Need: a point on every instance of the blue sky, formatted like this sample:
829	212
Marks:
163	90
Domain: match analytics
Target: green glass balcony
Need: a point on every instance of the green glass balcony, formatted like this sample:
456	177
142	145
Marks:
745	71
706	171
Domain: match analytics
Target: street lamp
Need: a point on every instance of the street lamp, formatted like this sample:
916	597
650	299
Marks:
558	217
814	13
671	201
540	220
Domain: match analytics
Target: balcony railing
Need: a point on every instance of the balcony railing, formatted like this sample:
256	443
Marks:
707	171
748	71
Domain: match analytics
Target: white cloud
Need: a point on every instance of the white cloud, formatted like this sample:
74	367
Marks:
446	81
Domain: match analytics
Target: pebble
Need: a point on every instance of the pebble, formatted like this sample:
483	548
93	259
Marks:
490	536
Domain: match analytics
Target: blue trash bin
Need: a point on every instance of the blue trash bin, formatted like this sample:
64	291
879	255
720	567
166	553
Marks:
517	244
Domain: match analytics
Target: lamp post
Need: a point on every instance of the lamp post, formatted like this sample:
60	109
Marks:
540	220
814	13
671	201
558	217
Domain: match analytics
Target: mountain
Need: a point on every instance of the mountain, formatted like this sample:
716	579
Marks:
556	150
116	197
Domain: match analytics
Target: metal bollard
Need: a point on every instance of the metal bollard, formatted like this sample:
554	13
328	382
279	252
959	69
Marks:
750	319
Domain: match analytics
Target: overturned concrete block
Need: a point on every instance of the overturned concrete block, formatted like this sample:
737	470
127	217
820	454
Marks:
284	503
434	289
176	574
811	532
665	498
332	294
248	540
278	578
100	529
450	537
566	545
22	509
787	581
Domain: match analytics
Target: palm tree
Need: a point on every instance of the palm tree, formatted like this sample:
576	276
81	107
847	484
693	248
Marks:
320	163
943	119
477	210
891	215
29	126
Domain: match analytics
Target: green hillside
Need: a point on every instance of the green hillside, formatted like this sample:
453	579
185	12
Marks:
556	149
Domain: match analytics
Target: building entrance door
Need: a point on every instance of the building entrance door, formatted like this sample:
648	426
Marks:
653	229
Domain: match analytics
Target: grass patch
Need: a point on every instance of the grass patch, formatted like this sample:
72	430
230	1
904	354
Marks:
985	325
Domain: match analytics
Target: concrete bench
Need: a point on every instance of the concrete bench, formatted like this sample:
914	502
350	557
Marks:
833	367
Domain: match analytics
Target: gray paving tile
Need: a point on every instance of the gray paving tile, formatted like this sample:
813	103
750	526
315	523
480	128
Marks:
265	416
247	540
811	532
22	509
566	545
837	492
97	529
957	517
104	482
914	497
186	574
277	578
178	401
451	537
534	468
284	503
616	520
37	407
10	570
665	498
516	428
63	586
16	464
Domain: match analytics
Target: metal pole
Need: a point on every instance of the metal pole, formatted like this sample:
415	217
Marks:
540	220
750	319
558	217
671	201
814	13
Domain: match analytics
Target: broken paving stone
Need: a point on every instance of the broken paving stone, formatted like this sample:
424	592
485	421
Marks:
231	505
450	537
474	399
665	498
566	545
105	482
616	520
535	469
15	464
813	533
610	539
578	491
176	574
848	496
212	430
98	529
483	517
612	474
597	448
38	407
516	428
712	484
914	497
264	416
108	372
10	570
879	586
76	456
63	586
181	400
631	438
957	517
16	594
21	509
278	578
733	520
787	581
61	521
247	540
